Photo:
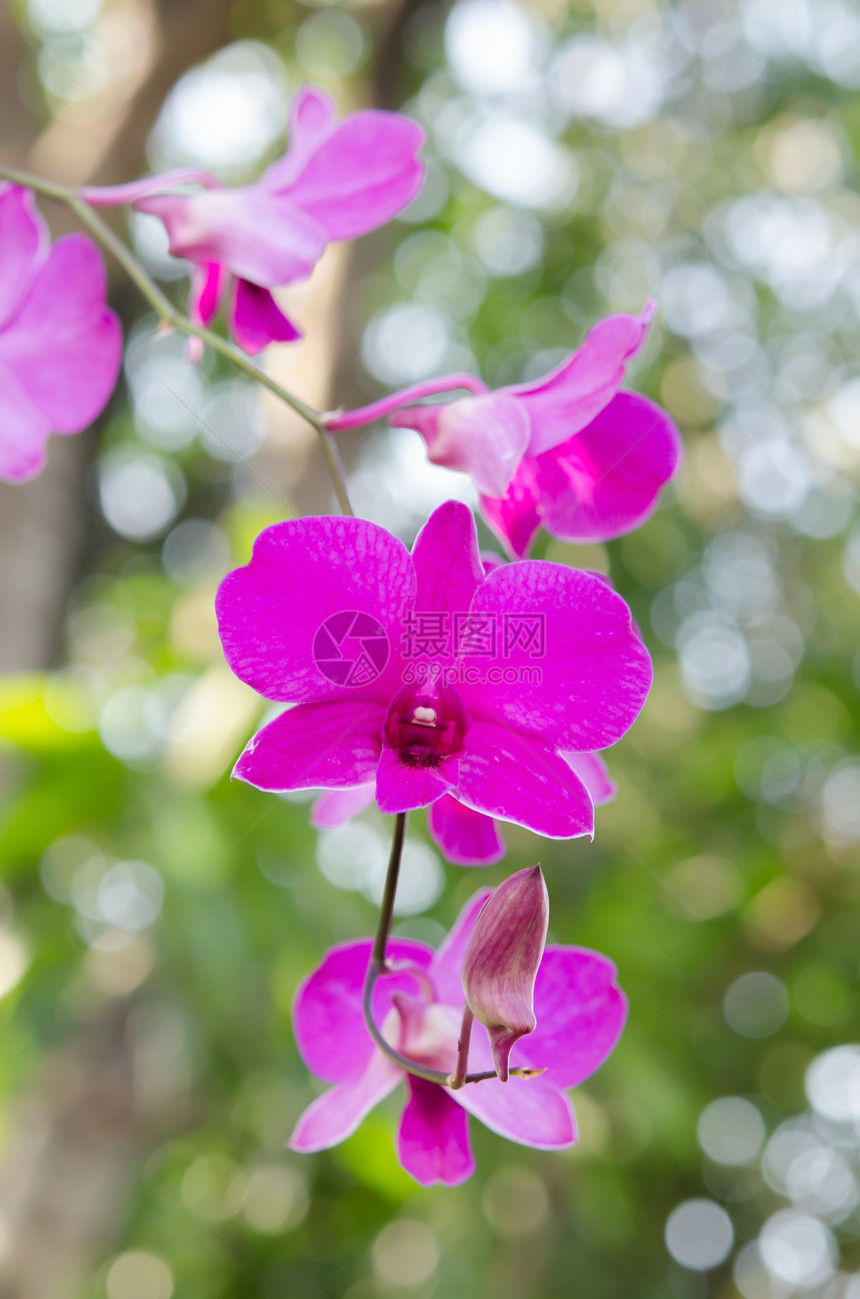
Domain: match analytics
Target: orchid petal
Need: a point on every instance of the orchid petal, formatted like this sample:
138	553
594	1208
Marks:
447	562
303	573
208	280
312	115
433	1140
362	174
525	1110
580	1015
327	1013
259	236
69	381
518	778
336	807
585	673
333	744
23	246
594	774
605	481
400	788
514	517
485	437
336	1114
568	398
23	432
464	836
256	320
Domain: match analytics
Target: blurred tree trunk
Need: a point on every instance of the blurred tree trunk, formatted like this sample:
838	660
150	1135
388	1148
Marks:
64	1175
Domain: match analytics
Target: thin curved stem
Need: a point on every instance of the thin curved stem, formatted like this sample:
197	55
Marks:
460	1072
170	316
378	968
338	420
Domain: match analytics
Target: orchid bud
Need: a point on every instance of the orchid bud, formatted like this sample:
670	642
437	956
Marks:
502	960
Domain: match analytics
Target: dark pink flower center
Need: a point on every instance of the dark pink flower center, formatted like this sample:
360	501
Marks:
425	1032
425	724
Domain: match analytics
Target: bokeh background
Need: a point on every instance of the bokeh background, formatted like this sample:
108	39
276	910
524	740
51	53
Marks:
155	919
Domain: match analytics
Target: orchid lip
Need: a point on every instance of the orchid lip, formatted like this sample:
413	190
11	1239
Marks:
426	724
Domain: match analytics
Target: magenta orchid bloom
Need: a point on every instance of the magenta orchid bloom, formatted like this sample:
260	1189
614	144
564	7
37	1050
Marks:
60	343
462	835
580	1012
337	181
569	451
325	616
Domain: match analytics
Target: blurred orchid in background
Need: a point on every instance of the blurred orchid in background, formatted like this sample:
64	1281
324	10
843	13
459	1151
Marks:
60	343
568	451
336	181
580	1013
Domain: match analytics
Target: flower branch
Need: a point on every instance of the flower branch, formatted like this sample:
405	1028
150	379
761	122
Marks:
171	317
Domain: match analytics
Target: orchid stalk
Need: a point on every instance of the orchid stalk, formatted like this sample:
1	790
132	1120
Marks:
379	966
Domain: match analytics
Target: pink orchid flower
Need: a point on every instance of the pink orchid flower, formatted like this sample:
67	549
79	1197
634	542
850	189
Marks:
580	1012
326	616
463	836
568	451
60	344
337	181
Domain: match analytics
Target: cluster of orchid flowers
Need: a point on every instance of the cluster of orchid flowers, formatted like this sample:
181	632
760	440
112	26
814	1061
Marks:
498	706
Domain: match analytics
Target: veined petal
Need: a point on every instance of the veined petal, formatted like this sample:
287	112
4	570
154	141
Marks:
464	836
433	1140
305	573
605	481
568	398
336	1114
447	562
580	1015
361	174
70	380
485	437
327	1012
335	807
517	778
525	1110
256	320
335	744
585	673
260	236
23	246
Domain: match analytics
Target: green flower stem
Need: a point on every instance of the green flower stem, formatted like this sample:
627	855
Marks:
379	968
